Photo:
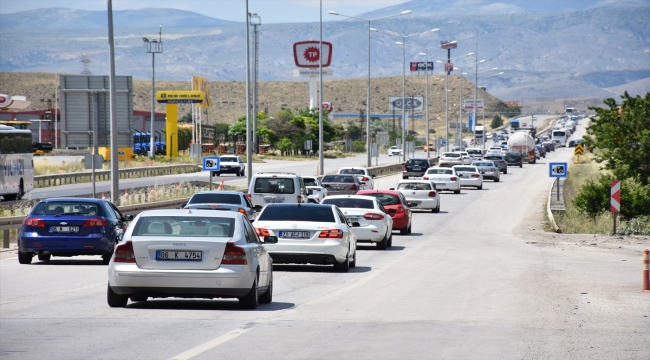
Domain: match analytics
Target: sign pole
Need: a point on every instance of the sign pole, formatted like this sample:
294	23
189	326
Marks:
558	188
210	175
615	200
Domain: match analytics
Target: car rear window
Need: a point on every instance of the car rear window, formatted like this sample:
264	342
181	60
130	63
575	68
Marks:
338	179
310	182
215	198
465	169
417	162
297	213
184	226
274	185
67	208
352	171
350	203
414	186
440	171
451	155
386	199
493	157
483	164
474	151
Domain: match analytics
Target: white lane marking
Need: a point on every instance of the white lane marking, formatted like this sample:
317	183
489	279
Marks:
244	329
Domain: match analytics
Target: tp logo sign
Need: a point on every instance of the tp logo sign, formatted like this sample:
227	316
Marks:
306	54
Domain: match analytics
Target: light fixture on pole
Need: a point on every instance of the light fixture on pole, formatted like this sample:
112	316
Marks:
153	47
368	86
403	43
449	67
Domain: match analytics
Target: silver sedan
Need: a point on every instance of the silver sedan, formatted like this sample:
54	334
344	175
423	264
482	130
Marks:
191	254
488	169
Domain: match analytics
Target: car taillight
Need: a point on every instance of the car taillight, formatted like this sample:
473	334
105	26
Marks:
262	232
249	196
432	194
403	167
240	210
95	222
371	216
331	234
34	222
234	255
453	178
493	169
299	198
364	179
124	253
401	210
475	175
353	187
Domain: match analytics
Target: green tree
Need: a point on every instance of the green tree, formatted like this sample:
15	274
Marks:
496	122
512	111
353	132
619	137
284	145
594	197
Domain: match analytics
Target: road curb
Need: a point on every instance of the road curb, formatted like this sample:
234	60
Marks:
549	212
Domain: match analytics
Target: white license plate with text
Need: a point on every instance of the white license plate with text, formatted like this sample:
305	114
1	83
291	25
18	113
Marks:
179	255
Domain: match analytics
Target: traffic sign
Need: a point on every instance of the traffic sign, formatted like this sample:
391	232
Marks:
211	163
579	150
558	170
615	201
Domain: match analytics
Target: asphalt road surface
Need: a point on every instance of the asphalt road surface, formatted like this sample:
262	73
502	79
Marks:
478	280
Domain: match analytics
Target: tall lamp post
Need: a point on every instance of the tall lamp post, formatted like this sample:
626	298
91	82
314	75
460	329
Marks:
153	47
403	43
368	90
448	69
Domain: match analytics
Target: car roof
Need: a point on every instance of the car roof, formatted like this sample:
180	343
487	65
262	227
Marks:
77	199
219	192
350	197
413	181
378	191
192	212
281	205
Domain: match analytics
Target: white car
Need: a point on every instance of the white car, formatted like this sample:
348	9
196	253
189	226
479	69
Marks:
364	176
394	150
443	178
190	254
469	176
315	190
230	164
450	159
308	234
374	223
465	158
420	194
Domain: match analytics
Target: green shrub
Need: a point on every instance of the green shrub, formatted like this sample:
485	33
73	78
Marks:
637	226
358	146
594	198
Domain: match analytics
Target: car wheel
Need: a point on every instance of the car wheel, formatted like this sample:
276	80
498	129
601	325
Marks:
242	172
505	172
353	263
437	209
218	173
139	298
496	179
383	243
44	257
267	297
404	177
404	230
409	229
250	301
479	187
521	165
115	300
213	174
24	258
390	238
344	266
457	191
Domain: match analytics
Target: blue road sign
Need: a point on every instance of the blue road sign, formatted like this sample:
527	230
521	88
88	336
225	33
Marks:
211	163
558	170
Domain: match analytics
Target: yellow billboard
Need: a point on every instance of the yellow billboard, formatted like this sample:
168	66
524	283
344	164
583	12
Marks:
180	97
201	84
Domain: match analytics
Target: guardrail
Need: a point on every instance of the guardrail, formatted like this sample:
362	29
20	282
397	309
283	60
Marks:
104	175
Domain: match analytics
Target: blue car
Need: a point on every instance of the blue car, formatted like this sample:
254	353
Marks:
70	227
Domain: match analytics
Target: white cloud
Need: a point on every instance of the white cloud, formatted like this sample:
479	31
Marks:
500	8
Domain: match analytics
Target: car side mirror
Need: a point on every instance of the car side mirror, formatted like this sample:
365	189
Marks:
310	192
270	239
128	217
392	211
356	224
391	189
373	175
258	207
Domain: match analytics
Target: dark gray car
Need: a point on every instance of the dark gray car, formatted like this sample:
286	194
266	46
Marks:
499	160
341	184
222	200
415	167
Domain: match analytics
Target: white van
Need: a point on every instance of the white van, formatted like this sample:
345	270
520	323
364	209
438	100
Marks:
475	153
277	187
561	137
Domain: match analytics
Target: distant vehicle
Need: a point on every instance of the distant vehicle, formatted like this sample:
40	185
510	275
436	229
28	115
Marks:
466	159
575	142
475	153
514	158
71	227
394	150
541	150
221	200
498	160
420	194
488	169
523	143
560	136
196	254
276	187
514	124
469	176
431	147
364	176
479	131
504	131
443	179
450	159
316	192
415	167
342	184
231	164
369	219
398	209
308	234
550	146
16	162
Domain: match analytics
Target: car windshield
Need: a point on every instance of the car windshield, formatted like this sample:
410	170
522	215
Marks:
484	163
350	203
338	179
217	198
184	226
493	157
414	186
417	162
465	169
228	159
67	208
474	151
274	185
386	199
297	213
310	182
352	171
440	171
451	155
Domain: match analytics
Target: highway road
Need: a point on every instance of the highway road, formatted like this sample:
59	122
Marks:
479	280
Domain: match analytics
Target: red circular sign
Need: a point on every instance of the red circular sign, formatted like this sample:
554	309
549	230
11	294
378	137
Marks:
311	54
2	99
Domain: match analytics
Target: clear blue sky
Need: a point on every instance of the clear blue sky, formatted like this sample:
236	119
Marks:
271	11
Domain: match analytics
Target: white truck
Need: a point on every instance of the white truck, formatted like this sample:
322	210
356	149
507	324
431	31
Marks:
479	131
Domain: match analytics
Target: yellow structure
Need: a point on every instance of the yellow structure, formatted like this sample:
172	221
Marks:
172	99
123	153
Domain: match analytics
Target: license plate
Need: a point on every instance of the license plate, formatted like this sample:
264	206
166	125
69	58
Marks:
294	234
439	184
418	202
273	201
337	187
179	255
353	219
416	169
64	229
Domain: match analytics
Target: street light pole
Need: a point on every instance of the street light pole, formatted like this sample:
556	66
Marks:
321	138
426	98
369	161
153	47
249	148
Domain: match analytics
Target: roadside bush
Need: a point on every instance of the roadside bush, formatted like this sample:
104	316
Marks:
594	198
358	146
496	122
637	226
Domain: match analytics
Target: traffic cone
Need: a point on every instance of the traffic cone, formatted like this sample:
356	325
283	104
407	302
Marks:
152	194
126	195
221	185
103	196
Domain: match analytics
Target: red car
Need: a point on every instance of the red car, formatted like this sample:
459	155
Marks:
395	203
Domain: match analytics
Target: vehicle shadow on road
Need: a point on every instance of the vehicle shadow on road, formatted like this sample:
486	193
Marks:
395	248
316	268
204	304
69	262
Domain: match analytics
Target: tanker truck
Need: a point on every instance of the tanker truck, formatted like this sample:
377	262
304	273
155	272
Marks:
524	144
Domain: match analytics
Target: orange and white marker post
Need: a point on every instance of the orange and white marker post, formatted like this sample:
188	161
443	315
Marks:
646	275
615	200
221	184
